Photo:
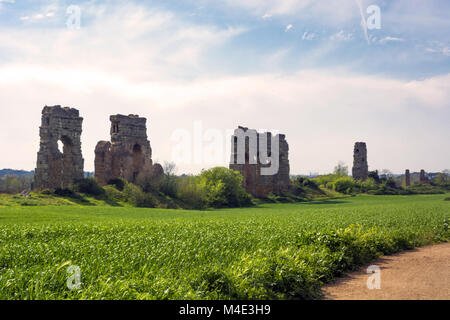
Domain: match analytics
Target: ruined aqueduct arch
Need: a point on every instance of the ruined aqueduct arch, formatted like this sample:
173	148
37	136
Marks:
55	169
128	154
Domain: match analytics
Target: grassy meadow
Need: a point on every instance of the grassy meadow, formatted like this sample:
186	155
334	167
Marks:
271	251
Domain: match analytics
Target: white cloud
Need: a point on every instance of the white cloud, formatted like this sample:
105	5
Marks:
391	39
308	36
288	27
330	12
438	47
6	1
342	36
129	40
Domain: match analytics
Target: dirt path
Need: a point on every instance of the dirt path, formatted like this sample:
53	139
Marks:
420	274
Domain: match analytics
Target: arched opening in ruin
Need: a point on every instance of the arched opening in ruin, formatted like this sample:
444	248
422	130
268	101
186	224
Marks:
137	160
65	147
115	127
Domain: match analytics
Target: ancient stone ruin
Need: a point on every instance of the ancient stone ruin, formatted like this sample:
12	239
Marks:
128	155
56	169
423	179
251	154
407	178
360	169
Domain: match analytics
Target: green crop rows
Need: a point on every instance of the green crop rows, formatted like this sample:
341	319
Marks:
274	251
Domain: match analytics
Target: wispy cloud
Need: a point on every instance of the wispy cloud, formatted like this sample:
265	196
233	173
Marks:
308	36
342	36
391	39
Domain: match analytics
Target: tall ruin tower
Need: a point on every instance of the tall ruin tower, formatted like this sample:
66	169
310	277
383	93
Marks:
407	178
255	182
56	169
128	154
360	169
423	178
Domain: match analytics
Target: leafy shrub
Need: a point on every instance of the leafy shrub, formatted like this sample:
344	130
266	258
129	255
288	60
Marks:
114	194
223	188
305	182
46	192
89	186
425	189
447	199
324	180
65	193
344	185
367	185
119	184
136	197
390	183
304	188
191	193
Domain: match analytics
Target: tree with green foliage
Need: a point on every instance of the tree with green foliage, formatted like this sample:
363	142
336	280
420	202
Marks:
169	181
89	186
344	185
223	188
341	169
191	193
442	178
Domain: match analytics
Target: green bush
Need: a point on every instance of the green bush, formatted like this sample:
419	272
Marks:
344	185
64	192
366	186
304	188
119	183
89	186
223	188
324	180
425	189
191	193
114	194
136	197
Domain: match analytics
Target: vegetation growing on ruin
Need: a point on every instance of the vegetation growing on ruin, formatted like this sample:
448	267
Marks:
273	251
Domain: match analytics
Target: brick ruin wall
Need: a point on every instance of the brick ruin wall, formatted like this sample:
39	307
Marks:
423	178
56	169
254	182
360	170
128	155
407	178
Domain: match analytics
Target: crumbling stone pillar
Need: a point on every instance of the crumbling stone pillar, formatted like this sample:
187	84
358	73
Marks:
55	169
255	182
423	177
407	178
128	155
360	169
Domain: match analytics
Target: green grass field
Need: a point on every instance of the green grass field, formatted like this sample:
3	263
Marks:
273	251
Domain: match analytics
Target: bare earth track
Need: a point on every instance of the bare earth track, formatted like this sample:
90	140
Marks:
420	274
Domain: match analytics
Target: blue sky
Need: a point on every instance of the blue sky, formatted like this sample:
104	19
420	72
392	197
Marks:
302	67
